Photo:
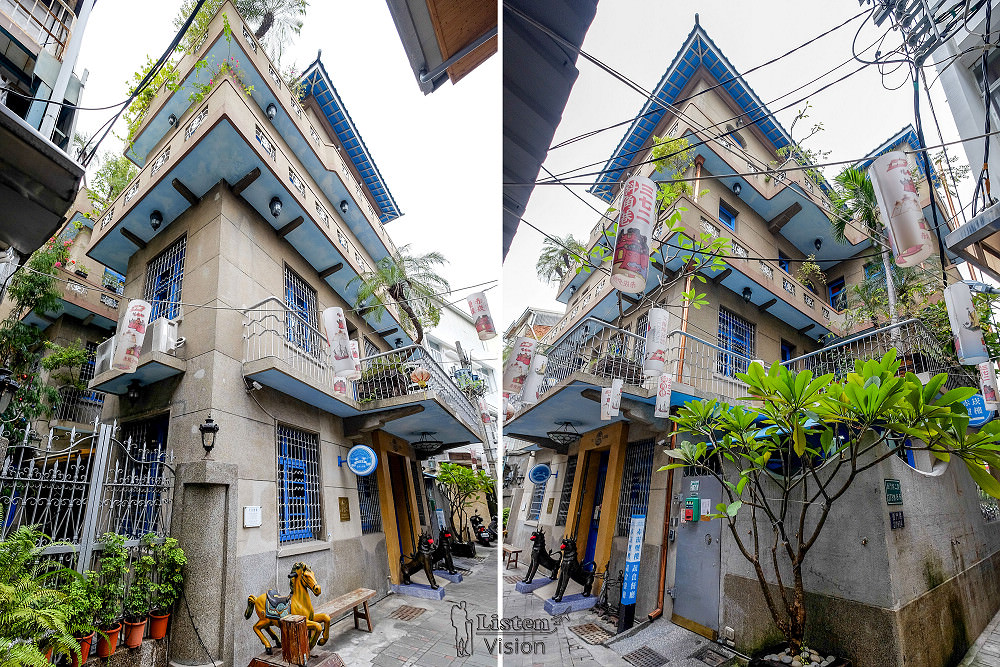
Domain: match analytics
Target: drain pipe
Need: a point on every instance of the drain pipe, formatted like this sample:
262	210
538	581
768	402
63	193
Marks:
662	581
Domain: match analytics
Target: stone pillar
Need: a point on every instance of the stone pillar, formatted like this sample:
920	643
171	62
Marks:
204	522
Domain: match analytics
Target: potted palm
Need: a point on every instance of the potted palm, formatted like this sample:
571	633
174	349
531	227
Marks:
170	561
136	605
81	601
110	590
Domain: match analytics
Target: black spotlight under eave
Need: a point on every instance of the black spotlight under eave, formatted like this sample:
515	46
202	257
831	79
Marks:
275	206
155	220
747	294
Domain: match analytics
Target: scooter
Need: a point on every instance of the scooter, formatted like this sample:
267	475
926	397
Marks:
483	534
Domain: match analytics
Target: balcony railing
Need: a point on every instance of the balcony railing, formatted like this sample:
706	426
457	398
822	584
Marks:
48	23
917	350
82	406
271	329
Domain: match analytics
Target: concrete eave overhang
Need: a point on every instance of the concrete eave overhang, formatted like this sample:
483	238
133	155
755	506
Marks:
38	184
153	367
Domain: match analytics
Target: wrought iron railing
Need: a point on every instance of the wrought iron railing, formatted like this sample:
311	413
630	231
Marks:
916	348
273	330
82	406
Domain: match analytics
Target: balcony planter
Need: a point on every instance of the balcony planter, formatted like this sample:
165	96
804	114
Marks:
614	367
158	625
82	273
134	633
85	644
108	642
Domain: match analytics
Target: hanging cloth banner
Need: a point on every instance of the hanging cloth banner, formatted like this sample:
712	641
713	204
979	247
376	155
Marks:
663	389
536	379
635	227
656	342
970	346
481	315
336	337
899	204
518	365
988	385
128	341
355	372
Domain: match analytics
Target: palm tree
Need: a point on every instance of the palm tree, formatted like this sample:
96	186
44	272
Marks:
276	20
409	281
854	200
559	255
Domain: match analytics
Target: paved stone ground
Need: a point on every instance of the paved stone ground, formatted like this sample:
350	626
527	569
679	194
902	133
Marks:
985	652
564	647
429	639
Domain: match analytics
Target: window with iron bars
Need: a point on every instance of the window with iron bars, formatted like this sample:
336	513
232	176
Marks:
368	502
164	276
636	478
738	337
535	508
299	503
114	281
418	477
303	315
567	491
641	326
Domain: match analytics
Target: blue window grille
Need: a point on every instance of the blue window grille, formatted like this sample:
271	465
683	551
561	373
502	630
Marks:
371	510
727	216
164	276
303	315
637	475
737	337
787	351
837	288
537	495
299	510
114	281
567	491
783	262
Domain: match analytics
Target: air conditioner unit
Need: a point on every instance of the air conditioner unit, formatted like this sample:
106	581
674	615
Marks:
105	353
161	336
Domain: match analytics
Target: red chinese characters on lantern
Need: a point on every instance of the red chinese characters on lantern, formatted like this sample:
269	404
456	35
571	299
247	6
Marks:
518	364
663	390
481	314
630	264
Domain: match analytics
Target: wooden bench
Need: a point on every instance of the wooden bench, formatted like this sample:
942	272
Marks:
510	555
352	600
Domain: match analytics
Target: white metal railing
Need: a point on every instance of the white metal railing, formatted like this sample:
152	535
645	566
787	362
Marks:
272	330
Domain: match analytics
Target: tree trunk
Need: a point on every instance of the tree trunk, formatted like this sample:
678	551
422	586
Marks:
890	287
396	292
265	24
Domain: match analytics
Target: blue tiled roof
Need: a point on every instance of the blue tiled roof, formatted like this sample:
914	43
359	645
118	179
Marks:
318	85
907	135
698	50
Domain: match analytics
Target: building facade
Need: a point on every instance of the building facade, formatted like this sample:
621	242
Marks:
776	215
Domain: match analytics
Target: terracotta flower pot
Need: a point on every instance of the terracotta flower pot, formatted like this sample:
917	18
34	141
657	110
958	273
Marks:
134	633
85	644
107	645
158	626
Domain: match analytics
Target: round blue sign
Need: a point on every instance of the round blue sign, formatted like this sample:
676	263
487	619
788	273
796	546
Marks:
975	405
539	474
361	460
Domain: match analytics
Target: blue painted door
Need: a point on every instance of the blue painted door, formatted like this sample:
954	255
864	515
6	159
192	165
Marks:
595	518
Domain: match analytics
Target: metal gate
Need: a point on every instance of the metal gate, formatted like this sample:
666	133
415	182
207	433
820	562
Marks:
77	486
699	556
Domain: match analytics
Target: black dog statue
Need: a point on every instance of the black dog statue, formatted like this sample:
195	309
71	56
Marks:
540	556
571	568
442	551
421	560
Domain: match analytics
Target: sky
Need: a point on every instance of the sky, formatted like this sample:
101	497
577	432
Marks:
640	38
439	154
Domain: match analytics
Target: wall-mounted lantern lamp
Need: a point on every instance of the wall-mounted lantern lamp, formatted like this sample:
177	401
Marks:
155	220
275	206
208	432
747	294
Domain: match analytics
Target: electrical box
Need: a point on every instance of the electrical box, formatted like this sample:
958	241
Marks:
251	517
692	509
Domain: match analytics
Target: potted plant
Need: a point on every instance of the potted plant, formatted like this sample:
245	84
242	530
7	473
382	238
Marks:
81	602
170	561
110	591
385	377
136	605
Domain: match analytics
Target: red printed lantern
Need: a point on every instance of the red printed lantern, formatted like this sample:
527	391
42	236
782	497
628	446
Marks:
635	227
481	314
899	204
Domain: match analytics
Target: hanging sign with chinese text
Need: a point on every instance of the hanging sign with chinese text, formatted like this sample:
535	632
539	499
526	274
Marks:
539	474
630	264
362	461
481	315
633	555
976	407
128	341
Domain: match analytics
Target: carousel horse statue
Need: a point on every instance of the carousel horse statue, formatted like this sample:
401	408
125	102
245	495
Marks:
271	607
421	560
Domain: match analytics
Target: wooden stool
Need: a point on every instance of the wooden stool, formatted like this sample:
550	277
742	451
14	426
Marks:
294	639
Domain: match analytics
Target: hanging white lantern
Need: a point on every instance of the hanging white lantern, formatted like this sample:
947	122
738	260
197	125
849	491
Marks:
988	385
656	342
130	334
334	324
616	396
484	410
606	403
508	408
535	380
663	388
481	315
518	364
970	345
899	204
355	372
336	337
635	227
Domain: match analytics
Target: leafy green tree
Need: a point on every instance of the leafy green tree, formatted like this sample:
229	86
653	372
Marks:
798	445
110	180
33	614
559	256
488	485
276	21
460	486
407	280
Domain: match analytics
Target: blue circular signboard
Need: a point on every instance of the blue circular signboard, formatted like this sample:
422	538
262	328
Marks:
539	474
975	405
361	460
